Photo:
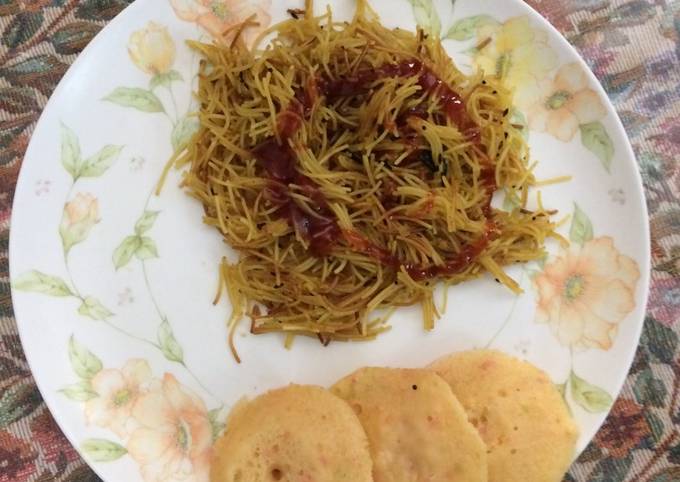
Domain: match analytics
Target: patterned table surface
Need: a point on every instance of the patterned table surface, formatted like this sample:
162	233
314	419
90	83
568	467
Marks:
633	46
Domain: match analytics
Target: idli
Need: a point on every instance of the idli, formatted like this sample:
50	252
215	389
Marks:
416	428
293	434
517	410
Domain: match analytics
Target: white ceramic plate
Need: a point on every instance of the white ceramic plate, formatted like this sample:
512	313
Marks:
112	286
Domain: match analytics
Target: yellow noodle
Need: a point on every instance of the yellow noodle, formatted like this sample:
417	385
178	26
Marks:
402	181
551	181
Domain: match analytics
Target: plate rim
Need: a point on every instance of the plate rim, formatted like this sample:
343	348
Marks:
555	36
53	407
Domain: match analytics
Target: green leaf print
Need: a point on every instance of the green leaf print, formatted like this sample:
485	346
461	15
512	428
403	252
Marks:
72	234
18	400
166	79
466	28
427	17
581	230
22	27
595	138
590	397
70	151
147	249
79	392
146	222
183	131
38	282
124	252
92	308
661	341
99	163
649	390
83	361
518	119
101	450
140	99
215	417
511	202
656	425
169	346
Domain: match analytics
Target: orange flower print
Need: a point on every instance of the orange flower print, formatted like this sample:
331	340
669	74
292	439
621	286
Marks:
118	391
564	103
584	294
174	438
80	216
217	16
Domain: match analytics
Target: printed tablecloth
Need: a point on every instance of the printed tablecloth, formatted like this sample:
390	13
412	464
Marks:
633	46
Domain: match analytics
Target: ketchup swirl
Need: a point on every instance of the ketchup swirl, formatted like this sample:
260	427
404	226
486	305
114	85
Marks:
319	227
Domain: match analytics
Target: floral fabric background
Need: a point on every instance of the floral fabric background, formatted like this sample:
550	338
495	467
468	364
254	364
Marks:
633	46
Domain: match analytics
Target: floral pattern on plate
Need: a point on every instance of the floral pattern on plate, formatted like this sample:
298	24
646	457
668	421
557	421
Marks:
218	17
583	294
557	100
161	424
165	427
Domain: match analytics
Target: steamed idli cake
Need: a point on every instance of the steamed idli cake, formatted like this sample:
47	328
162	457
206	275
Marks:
416	428
293	434
518	411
